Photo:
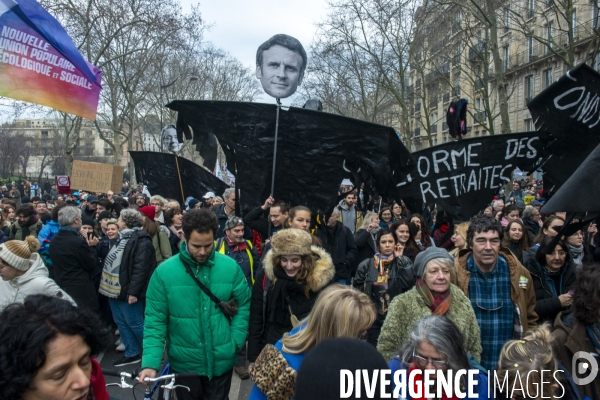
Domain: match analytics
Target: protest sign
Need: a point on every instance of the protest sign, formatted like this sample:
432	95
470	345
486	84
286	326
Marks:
316	150
40	64
567	118
160	173
463	176
96	177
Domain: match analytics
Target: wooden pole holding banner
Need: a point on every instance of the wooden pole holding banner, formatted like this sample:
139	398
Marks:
179	176
274	156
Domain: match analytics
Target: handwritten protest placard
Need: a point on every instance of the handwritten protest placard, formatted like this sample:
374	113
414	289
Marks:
96	177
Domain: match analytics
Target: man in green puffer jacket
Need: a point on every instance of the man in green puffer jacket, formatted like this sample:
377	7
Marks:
199	337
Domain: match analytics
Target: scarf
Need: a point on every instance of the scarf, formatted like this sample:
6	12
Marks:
576	255
109	282
382	263
439	305
237	247
418	382
282	286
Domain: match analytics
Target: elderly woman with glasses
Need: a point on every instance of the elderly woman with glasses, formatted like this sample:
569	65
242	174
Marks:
553	276
436	344
432	294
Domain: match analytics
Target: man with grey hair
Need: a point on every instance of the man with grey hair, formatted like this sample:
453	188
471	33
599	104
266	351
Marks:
74	259
226	211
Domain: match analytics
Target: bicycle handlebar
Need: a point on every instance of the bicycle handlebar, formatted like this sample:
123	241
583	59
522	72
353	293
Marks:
171	376
111	372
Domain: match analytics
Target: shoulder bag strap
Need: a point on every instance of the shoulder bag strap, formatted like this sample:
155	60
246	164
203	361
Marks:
206	290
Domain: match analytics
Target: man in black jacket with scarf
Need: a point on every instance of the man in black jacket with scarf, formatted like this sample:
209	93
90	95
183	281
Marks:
339	242
74	259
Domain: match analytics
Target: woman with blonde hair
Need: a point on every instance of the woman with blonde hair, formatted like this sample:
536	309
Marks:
521	364
338	312
459	238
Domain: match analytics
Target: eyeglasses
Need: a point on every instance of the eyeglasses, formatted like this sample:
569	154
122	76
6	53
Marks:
422	362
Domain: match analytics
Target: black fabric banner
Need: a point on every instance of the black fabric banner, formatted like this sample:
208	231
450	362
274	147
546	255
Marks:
159	170
463	176
316	150
567	117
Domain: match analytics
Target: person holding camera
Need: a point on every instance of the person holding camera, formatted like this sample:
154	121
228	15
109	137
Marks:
200	301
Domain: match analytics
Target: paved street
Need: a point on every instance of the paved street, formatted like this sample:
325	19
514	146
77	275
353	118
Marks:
240	390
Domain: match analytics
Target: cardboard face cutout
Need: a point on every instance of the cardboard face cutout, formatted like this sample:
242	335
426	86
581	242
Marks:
168	139
280	65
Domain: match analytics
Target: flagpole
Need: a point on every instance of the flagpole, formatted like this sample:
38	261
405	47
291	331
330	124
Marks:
179	176
274	156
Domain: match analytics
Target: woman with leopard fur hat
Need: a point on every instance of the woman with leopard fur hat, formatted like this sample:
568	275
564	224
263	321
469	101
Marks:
285	290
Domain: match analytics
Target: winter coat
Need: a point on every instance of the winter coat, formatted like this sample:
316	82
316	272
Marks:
515	194
342	247
222	218
270	377
401	276
547	305
45	235
351	213
174	241
532	229
399	323
19	232
34	281
73	262
263	330
523	297
162	246
137	265
366	248
569	337
199	337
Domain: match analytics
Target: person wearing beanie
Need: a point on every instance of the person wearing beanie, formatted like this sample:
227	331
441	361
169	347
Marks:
193	203
23	273
384	276
319	375
160	237
339	311
285	290
27	223
245	254
433	294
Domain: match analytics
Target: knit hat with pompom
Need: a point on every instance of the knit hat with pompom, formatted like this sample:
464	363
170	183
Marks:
17	253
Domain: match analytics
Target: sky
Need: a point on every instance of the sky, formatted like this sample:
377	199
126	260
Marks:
240	26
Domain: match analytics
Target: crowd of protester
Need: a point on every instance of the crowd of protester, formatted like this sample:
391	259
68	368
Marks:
289	298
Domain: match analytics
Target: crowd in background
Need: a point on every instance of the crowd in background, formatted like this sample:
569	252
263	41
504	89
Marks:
284	296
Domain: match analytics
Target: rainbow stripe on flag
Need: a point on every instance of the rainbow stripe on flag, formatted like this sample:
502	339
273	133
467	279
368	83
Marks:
40	64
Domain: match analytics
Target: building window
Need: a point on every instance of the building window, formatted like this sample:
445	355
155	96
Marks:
456	88
530	8
45	134
596	14
528	125
530	51
528	89
506	20
574	21
547	77
506	55
598	62
550	36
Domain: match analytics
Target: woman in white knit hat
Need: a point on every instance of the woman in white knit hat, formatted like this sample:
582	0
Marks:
23	273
